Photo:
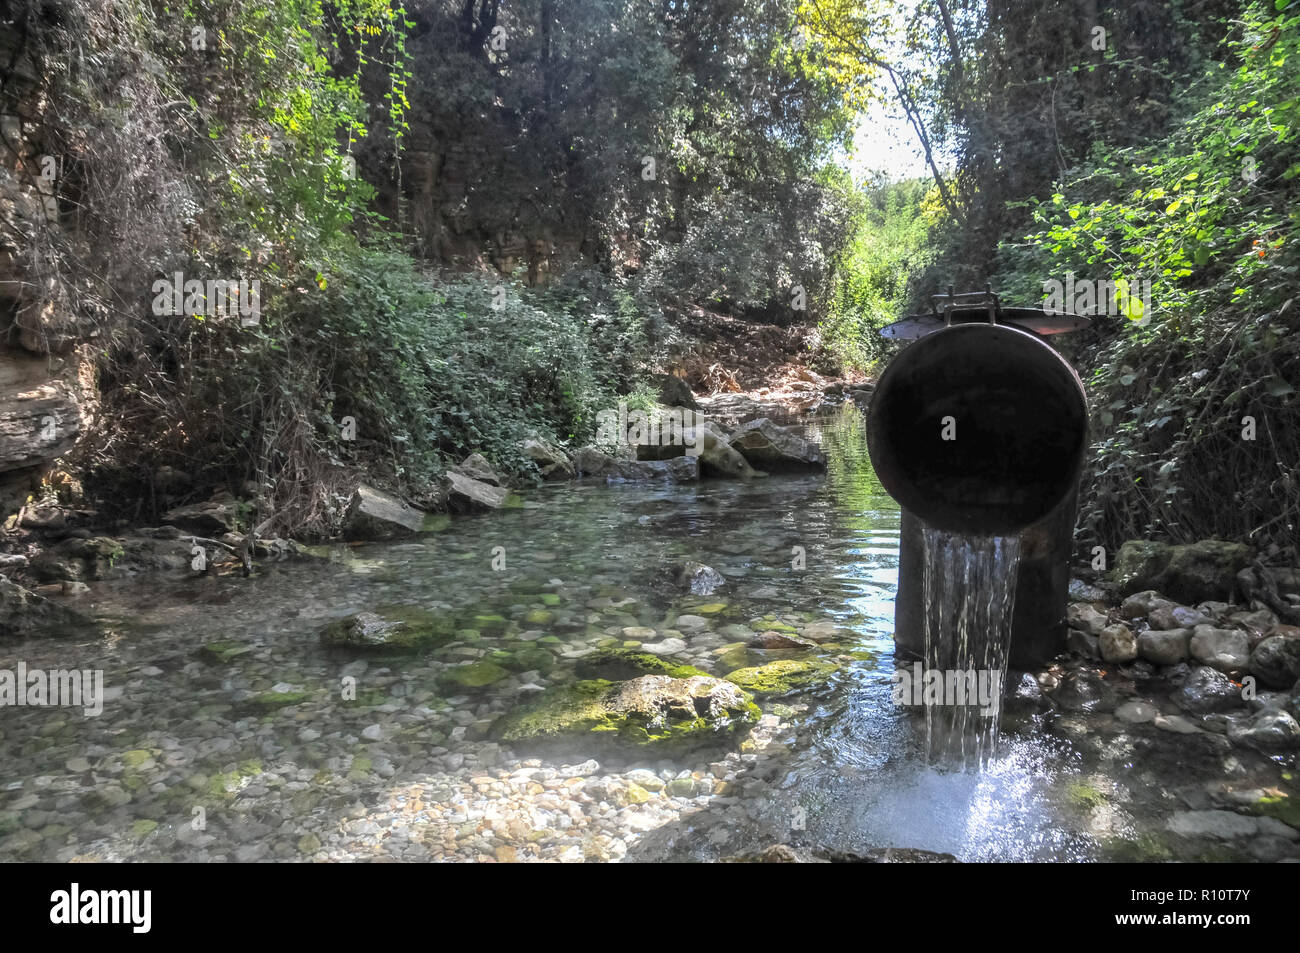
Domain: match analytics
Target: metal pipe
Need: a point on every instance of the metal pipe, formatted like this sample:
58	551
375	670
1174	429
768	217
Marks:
981	428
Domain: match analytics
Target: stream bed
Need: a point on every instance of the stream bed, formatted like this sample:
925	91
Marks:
275	747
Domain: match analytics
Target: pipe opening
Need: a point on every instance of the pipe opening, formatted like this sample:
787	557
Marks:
978	428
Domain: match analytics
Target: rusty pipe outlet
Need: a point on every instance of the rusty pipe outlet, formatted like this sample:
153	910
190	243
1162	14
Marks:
978	428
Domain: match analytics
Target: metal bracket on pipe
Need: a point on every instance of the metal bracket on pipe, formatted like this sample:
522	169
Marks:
965	307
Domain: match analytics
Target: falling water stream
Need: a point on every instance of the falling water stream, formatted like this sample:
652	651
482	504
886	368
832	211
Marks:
970	593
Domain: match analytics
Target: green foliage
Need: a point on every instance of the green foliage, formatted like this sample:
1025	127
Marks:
1209	214
891	241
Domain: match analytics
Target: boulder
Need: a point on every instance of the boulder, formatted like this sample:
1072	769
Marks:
467	495
1118	643
552	462
1086	618
24	613
1276	661
393	629
1271	729
774	448
717	457
650	711
476	467
699	579
1164	646
618	664
209	518
1084	691
1205	570
374	514
1083	643
1207	690
1188	573
1177	617
784	677
682	469
779	640
674	392
1228	650
1142	604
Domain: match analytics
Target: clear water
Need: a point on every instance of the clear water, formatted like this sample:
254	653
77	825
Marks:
841	767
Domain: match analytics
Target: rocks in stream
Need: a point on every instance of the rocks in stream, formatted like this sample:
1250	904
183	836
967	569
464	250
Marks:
717	457
476	467
24	613
651	710
696	578
374	514
552	462
1207	690
782	677
1276	661
1165	647
774	448
1118	643
394	629
786	854
467	495
1227	650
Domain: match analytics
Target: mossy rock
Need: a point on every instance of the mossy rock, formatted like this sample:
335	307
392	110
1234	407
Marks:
1084	796
549	599
651	711
273	701
223	650
1189	573
539	617
1145	848
391	629
739	656
473	676
528	658
135	758
617	664
488	623
783	677
1282	807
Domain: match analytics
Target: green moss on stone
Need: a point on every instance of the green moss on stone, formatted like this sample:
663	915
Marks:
472	676
223	650
135	758
781	678
583	709
396	629
617	664
1283	807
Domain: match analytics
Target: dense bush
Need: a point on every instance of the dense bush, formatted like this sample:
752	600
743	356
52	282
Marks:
1209	215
